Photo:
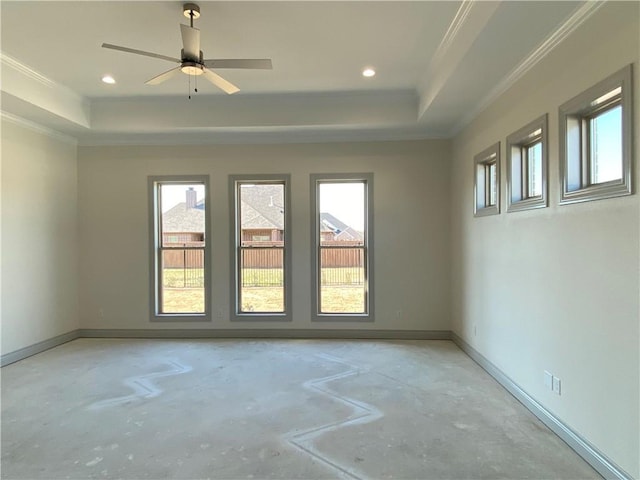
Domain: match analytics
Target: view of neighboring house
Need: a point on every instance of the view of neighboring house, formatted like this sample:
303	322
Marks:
262	213
262	219
333	229
184	223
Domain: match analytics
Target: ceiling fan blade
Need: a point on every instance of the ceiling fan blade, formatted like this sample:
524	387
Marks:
190	42
163	76
140	52
253	63
220	82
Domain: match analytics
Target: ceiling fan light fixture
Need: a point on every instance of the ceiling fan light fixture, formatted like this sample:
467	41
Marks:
191	68
189	9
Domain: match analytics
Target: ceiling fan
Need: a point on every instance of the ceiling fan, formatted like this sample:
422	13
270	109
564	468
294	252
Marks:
191	61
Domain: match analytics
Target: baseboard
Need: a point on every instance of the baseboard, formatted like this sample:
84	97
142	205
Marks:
39	347
268	333
603	465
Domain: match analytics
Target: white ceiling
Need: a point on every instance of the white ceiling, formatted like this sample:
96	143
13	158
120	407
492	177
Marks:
437	63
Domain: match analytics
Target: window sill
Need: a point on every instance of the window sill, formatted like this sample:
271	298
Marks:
261	317
181	318
342	317
613	189
527	204
486	211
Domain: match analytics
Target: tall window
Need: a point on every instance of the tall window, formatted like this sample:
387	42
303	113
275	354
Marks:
342	233
180	259
527	166
487	181
596	140
261	247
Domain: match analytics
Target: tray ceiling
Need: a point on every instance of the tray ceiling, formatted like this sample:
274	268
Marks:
436	63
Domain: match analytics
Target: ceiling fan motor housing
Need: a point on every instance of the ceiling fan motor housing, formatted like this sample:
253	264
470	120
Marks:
185	58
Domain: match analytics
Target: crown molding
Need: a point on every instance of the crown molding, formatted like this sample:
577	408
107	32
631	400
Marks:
452	32
576	19
40	92
441	52
11	62
469	21
259	136
36	127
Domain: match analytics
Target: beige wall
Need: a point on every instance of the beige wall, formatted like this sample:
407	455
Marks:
411	216
557	289
39	237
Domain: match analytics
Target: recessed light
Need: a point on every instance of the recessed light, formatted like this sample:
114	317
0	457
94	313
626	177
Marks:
108	79
368	72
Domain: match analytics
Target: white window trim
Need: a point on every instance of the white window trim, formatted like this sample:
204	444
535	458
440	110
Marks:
235	314
316	316
520	140
482	158
154	239
578	108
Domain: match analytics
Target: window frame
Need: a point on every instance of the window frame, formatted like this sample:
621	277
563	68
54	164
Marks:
518	144
235	314
155	248
314	181
489	156
575	151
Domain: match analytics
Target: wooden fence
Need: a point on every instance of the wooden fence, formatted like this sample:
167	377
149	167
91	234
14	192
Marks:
183	258
264	266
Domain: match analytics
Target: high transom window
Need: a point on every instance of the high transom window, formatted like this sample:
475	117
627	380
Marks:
527	166
595	141
487	181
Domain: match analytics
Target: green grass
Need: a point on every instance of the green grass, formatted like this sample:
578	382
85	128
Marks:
176	277
183	300
345	298
261	277
194	277
265	299
342	299
262	299
342	275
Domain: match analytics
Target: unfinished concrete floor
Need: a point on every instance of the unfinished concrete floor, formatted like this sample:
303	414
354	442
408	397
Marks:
227	409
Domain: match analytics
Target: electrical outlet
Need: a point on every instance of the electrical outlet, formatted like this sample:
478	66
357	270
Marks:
548	380
220	314
399	315
101	313
556	385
